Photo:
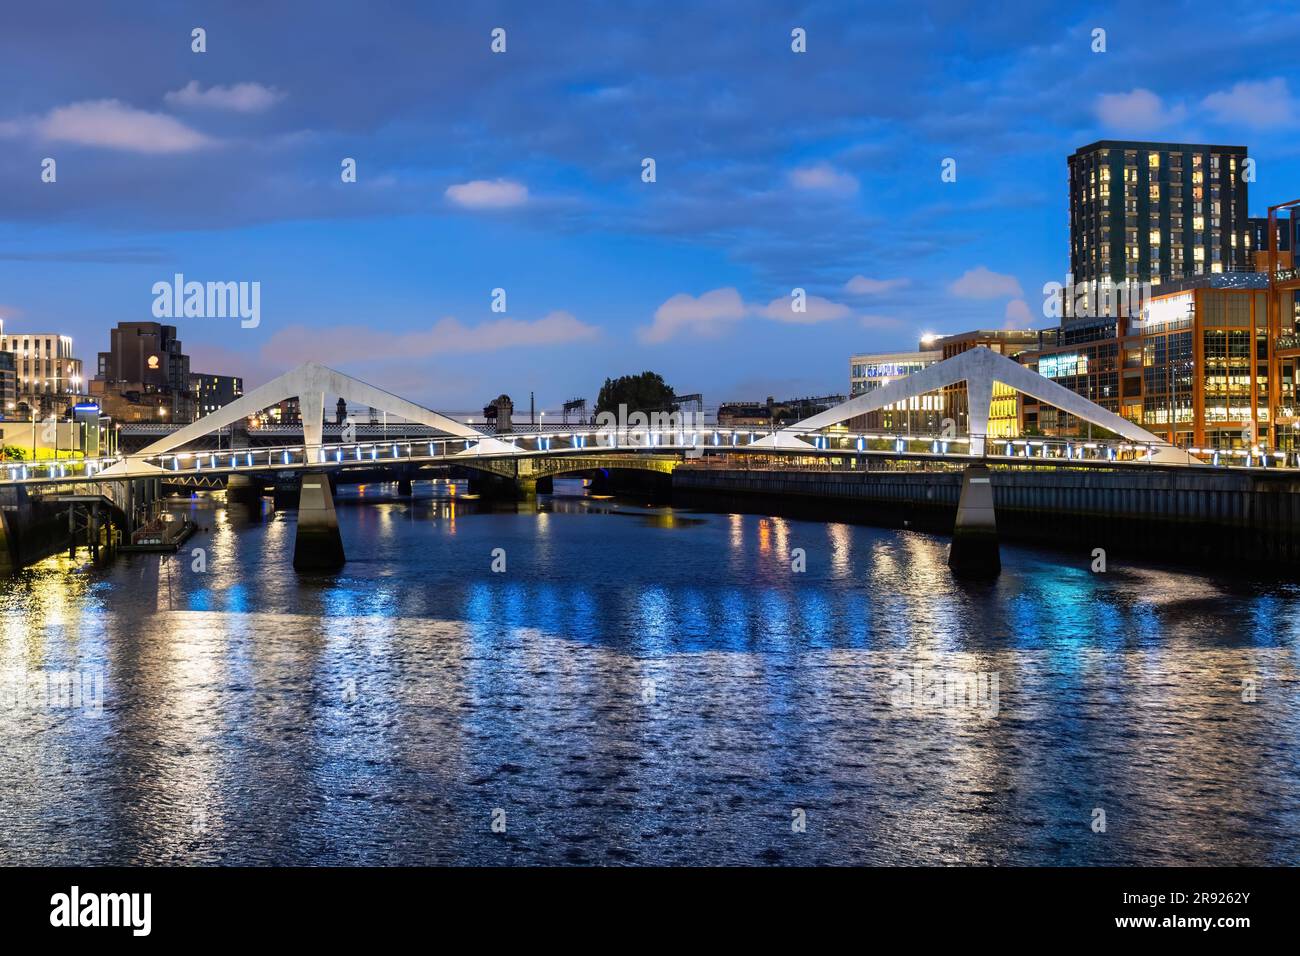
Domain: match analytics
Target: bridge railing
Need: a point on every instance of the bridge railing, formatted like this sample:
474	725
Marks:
699	441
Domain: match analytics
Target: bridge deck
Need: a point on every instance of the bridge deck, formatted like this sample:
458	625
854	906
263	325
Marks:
535	455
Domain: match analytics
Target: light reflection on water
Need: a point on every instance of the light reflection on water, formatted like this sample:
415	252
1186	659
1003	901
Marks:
641	685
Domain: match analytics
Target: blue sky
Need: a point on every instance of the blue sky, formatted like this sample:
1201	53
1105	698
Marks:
522	171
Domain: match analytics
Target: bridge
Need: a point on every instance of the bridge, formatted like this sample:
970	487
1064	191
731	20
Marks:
526	457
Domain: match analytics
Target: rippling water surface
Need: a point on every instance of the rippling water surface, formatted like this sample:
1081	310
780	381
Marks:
641	685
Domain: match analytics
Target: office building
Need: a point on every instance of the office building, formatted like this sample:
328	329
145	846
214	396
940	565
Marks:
211	392
870	371
8	385
145	375
1288	232
927	414
48	377
1156	212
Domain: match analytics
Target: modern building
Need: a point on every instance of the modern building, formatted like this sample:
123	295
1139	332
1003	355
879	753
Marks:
148	353
213	391
1199	367
145	375
931	412
1288	232
872	370
8	385
1004	409
48	377
1157	212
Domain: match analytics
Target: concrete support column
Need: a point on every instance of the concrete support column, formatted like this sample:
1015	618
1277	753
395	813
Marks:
8	556
979	400
318	545
974	552
404	487
311	405
243	489
72	532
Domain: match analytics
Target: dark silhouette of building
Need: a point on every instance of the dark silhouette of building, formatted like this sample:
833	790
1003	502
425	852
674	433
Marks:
145	375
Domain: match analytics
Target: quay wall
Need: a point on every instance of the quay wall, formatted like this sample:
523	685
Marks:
1178	514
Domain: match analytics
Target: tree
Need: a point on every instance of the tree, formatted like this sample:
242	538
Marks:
647	392
14	453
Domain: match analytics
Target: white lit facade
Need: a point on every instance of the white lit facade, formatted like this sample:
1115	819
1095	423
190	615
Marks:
48	377
870	371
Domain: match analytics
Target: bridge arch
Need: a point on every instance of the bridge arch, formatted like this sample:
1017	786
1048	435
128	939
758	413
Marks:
979	368
309	383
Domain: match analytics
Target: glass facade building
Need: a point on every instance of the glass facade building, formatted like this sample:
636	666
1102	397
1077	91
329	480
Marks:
1156	212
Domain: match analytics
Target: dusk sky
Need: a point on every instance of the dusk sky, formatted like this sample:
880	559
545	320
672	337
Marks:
522	171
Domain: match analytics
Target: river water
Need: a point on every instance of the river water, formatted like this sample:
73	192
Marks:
636	684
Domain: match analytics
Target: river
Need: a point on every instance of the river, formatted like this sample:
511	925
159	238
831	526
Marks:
580	680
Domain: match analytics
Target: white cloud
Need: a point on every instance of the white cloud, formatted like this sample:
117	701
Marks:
109	124
823	177
1136	110
717	311
488	194
1262	104
1018	315
816	309
296	344
861	285
705	316
238	97
983	283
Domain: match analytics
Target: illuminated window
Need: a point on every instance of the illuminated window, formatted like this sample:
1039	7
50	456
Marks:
1153	160
1155	237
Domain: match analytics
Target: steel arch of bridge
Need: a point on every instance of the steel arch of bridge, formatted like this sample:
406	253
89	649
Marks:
979	368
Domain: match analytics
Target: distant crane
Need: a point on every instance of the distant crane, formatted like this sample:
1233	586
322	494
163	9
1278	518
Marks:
578	405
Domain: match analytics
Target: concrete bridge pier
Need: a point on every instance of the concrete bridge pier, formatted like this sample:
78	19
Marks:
318	546
244	490
8	562
404	486
974	552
